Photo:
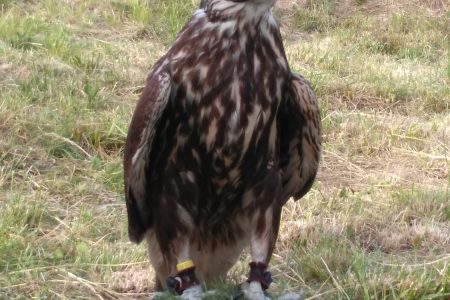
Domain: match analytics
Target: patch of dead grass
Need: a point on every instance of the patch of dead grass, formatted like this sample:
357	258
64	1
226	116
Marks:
133	280
63	212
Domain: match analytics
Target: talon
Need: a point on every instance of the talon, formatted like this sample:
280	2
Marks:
251	291
259	274
184	279
194	292
174	284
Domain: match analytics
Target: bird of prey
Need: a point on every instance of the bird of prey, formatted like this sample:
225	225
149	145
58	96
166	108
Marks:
222	136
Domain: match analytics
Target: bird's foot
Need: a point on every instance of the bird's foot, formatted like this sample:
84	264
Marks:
194	292
259	273
250	291
258	282
183	280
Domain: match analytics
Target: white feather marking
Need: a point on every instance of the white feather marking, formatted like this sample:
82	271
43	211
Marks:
234	121
211	136
203	72
199	13
226	27
179	55
186	218
190	176
136	155
256	64
259	244
253	119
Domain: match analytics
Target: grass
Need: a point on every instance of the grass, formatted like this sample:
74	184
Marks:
374	226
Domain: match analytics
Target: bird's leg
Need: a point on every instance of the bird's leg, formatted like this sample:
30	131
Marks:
265	223
184	281
173	266
173	232
261	247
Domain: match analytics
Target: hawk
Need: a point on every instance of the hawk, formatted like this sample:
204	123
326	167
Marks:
222	136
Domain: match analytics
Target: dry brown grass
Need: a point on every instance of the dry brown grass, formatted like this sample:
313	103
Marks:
374	226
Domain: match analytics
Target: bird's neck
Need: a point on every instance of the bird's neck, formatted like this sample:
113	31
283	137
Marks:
243	12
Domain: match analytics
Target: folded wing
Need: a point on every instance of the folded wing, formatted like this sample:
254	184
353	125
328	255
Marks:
300	138
138	151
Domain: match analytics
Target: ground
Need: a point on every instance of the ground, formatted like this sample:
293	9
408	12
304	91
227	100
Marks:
376	224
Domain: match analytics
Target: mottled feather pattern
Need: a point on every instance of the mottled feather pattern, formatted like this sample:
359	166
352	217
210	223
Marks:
222	136
138	148
300	129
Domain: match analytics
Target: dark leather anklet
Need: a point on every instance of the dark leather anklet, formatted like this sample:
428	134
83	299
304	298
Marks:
182	281
258	273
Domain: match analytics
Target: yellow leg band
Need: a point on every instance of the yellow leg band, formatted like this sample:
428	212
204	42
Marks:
185	265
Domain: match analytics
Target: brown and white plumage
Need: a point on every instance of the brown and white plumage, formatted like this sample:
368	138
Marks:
223	134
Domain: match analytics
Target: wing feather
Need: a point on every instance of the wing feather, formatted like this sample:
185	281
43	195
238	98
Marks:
300	138
138	147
